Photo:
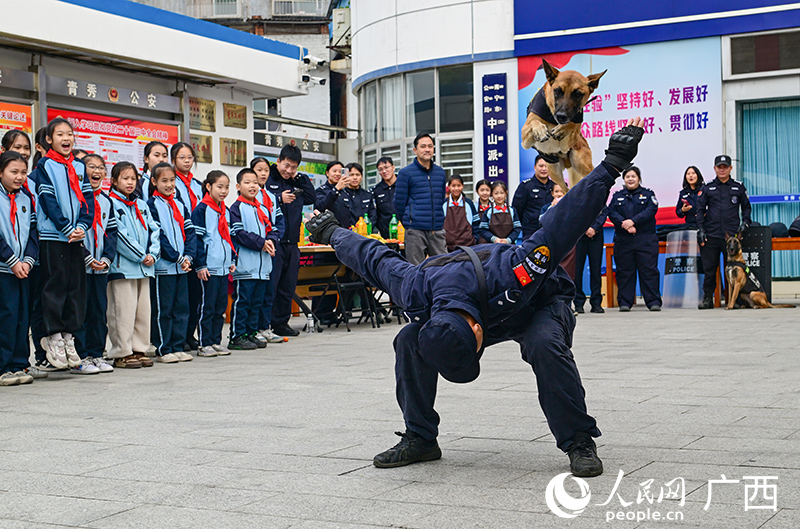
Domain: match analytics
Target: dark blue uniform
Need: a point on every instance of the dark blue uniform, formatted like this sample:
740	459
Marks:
359	203
690	196
528	302
383	197
636	252
286	263
328	198
718	207
529	198
591	247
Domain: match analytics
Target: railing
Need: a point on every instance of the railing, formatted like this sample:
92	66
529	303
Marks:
299	8
209	9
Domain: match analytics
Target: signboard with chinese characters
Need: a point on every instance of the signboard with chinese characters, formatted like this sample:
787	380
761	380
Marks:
202	147
306	146
232	152
676	87
495	127
234	116
115	139
202	114
15	117
130	97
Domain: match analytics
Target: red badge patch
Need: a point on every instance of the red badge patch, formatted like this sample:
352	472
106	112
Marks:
522	275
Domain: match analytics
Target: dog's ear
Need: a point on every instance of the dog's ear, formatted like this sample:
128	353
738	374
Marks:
550	72
594	79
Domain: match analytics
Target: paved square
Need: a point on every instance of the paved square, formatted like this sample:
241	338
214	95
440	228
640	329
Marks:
284	437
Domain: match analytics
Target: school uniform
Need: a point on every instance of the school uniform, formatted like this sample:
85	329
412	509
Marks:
500	222
35	282
460	221
169	289
279	227
251	227
138	235
65	203
215	254
100	244
190	191
18	243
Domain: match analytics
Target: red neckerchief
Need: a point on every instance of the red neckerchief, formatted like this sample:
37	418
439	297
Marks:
484	208
187	181
266	200
176	213
98	216
501	208
74	182
222	226
454	202
12	197
262	217
129	203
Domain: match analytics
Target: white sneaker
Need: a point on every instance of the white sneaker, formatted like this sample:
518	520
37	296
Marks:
221	350
9	379
55	349
206	351
183	356
150	351
271	337
169	358
85	367
73	358
23	377
103	365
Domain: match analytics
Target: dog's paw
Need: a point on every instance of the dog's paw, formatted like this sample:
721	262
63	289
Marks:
559	132
540	134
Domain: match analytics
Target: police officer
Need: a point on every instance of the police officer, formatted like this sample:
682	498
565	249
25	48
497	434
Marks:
590	245
633	212
686	208
462	302
718	205
328	195
383	196
531	195
357	200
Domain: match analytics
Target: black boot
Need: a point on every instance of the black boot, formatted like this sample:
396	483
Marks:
583	460
411	449
707	303
283	329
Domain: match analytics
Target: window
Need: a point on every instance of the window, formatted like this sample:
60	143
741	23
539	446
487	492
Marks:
455	98
371	169
391	110
765	53
371	113
420	100
395	154
456	158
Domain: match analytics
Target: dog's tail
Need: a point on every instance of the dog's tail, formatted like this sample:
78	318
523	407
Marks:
781	306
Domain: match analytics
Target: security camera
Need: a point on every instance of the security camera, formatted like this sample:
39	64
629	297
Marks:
316	61
313	80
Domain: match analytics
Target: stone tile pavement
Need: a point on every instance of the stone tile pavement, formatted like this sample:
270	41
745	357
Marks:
284	438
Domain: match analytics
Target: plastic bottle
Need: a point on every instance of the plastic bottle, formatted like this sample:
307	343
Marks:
361	226
393	227
302	241
401	232
368	223
309	324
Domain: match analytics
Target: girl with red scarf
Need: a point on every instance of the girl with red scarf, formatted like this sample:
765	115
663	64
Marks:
500	223
215	253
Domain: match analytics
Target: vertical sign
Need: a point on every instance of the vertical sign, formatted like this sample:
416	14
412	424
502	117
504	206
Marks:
495	127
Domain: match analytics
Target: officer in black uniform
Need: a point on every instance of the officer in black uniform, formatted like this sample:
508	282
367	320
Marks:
461	302
718	205
633	212
356	199
590	245
328	195
531	195
383	196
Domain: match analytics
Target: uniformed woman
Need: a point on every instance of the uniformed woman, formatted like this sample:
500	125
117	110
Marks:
633	212
687	198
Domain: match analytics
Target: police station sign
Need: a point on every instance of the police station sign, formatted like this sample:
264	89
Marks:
495	127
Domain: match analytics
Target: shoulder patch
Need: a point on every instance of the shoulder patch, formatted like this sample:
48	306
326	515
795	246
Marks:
655	201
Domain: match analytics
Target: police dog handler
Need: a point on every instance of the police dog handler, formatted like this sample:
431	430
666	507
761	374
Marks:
462	302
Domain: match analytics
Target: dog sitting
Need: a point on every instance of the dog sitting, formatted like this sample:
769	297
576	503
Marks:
553	126
743	286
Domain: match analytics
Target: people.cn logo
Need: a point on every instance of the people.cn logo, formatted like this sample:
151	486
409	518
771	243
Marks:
559	500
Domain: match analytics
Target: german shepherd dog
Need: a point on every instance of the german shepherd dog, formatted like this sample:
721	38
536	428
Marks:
553	126
743	286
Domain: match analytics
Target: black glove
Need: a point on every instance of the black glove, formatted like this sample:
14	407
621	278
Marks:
321	227
701	237
622	147
743	226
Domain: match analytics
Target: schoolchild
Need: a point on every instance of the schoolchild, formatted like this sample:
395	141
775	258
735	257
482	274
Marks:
138	248
484	191
189	190
255	238
100	251
557	193
501	224
155	153
169	290
66	204
215	255
461	217
261	166
18	252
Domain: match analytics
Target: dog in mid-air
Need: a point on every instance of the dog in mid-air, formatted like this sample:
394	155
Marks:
743	286
553	126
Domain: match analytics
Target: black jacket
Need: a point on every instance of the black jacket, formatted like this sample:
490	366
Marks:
292	213
383	197
329	198
529	198
718	207
639	205
690	196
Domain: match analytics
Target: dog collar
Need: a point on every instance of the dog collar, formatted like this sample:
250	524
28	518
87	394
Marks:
538	106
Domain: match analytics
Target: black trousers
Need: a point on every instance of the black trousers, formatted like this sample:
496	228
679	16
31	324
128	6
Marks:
285	266
593	249
14	349
195	298
91	339
709	256
248	297
212	309
637	255
169	298
35	313
63	276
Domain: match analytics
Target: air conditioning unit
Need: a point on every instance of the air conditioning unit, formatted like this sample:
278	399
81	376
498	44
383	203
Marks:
340	37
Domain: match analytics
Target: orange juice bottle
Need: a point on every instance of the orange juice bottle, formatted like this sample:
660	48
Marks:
401	232
361	226
302	241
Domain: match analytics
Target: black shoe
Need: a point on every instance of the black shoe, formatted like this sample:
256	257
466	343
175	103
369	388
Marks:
191	344
579	309
598	310
410	449
655	308
260	342
583	460
283	329
707	303
241	343
624	308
